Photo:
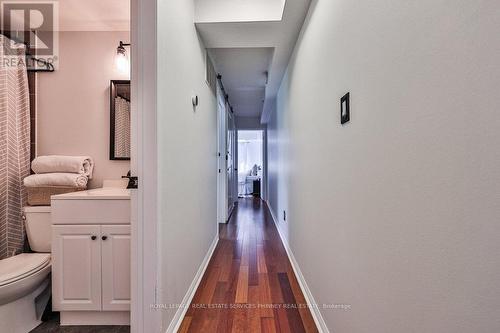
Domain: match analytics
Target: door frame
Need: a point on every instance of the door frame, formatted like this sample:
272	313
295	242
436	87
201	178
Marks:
263	180
222	183
232	168
143	164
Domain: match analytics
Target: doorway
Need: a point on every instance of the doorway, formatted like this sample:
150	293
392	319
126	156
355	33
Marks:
250	163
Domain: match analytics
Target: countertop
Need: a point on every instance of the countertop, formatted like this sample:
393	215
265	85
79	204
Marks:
106	193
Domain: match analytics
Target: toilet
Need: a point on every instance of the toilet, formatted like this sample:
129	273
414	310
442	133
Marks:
25	278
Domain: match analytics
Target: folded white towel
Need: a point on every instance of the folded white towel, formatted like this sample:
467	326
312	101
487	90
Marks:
83	165
56	179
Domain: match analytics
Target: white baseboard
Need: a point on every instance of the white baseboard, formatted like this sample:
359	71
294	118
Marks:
78	318
181	312
318	318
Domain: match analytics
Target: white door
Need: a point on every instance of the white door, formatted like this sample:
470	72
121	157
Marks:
76	267
115	241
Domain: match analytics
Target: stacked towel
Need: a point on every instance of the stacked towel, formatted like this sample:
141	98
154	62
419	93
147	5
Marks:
55	170
56	179
82	165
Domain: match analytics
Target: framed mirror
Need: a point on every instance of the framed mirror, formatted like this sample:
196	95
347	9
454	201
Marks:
119	138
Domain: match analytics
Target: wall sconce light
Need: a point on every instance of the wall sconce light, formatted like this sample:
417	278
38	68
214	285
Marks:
121	59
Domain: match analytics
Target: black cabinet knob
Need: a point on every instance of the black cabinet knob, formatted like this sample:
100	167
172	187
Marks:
93	237
104	237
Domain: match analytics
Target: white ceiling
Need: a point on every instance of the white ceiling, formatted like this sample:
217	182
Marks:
94	15
240	56
244	42
243	74
239	10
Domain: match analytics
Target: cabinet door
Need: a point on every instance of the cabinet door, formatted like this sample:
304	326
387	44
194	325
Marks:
76	267
115	267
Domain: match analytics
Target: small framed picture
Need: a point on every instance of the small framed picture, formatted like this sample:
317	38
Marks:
345	113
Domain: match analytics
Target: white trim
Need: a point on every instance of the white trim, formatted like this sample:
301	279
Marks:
222	190
79	318
144	201
181	312
263	182
316	314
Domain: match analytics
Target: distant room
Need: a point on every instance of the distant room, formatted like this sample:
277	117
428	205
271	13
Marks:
249	163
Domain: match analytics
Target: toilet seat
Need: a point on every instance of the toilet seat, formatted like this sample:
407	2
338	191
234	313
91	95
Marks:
21	266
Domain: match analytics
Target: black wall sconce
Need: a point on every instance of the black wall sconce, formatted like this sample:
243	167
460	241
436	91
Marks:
345	112
121	60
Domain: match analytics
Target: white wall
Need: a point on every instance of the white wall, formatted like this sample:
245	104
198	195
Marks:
73	102
395	213
187	153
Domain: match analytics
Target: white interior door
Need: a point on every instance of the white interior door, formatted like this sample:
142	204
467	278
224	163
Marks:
76	267
115	267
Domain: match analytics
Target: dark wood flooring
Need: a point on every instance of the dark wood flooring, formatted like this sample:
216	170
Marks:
249	285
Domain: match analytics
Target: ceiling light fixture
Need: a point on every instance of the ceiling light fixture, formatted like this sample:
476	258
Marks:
121	59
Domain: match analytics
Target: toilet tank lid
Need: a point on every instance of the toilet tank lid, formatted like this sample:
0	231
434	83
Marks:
21	265
37	209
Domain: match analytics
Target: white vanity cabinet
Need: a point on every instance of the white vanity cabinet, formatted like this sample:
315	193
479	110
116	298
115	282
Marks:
76	267
91	257
115	267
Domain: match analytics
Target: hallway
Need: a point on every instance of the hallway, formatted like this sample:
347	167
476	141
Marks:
249	284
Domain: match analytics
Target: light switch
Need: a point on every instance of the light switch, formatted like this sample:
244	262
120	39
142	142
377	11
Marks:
345	112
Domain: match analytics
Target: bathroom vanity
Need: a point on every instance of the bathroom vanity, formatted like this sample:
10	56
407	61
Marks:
91	257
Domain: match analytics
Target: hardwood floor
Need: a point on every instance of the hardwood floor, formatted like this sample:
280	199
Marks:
249	285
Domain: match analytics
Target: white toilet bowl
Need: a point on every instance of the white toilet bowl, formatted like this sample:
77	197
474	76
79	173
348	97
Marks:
25	278
21	274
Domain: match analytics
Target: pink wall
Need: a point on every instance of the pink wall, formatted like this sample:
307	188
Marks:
73	102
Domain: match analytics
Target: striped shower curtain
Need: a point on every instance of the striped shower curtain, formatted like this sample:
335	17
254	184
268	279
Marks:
122	127
14	145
